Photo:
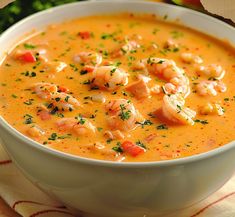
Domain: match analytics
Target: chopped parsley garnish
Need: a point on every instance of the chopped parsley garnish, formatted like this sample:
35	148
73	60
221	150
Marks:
83	72
118	148
106	36
112	71
176	34
162	127
54	136
29	102
125	113
14	96
28	119
141	144
74	68
108	141
179	107
66	98
54	110
29	46
155	30
80	119
29	74
144	123
201	121
87	82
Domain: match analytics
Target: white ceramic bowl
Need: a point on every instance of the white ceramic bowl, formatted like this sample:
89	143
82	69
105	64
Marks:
111	189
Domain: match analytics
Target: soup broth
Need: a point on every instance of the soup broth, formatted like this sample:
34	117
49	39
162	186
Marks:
121	87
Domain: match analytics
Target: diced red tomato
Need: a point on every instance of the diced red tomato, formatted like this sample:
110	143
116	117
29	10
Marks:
84	35
44	115
63	89
27	57
132	149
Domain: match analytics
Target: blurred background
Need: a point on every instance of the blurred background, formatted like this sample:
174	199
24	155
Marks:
22	8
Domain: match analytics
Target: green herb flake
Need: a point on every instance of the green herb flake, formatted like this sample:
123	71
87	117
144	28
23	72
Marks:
118	148
29	102
86	82
53	137
125	113
29	74
108	141
80	119
99	129
141	144
28	119
83	72
105	36
14	96
144	123
162	127
155	30
176	34
73	67
201	121
29	46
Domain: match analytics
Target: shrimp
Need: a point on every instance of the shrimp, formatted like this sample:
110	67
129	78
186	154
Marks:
35	131
129	46
55	67
211	71
168	70
171	44
88	58
210	88
174	110
109	77
61	100
64	101
122	115
44	90
191	58
116	134
211	108
77	126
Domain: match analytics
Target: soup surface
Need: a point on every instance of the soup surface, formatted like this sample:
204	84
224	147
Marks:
121	87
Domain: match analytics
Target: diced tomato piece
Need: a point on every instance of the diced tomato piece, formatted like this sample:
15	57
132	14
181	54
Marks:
63	89
28	57
84	35
132	149
44	115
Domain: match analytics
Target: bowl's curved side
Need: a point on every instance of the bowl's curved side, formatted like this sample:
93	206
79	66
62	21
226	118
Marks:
105	188
121	191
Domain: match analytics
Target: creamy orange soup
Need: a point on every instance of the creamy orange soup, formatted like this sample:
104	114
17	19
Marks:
122	88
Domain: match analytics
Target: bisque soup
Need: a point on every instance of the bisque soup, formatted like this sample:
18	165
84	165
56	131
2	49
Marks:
121	87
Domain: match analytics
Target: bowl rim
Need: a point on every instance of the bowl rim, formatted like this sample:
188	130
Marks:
66	156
